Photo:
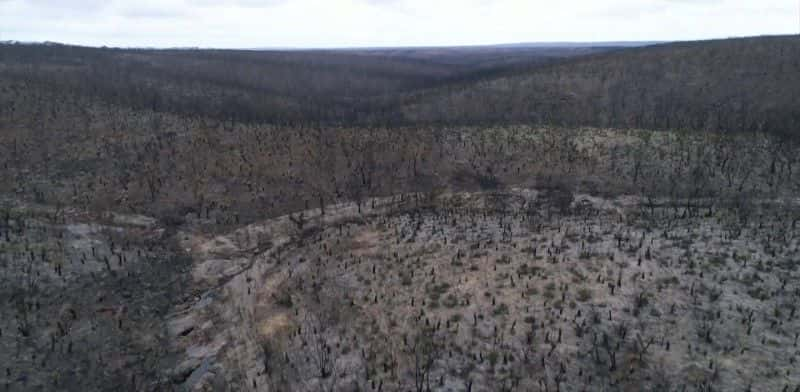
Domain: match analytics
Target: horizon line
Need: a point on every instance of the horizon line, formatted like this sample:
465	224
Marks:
507	45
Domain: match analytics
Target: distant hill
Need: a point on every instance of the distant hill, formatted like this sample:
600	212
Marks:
605	44
341	86
553	44
744	84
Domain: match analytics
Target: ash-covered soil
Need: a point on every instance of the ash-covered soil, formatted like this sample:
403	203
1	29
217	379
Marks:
517	290
84	299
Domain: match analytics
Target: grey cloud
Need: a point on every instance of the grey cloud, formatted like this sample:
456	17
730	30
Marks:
77	5
336	23
694	2
153	11
238	3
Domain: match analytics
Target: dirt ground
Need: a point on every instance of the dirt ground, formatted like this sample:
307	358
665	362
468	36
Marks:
497	291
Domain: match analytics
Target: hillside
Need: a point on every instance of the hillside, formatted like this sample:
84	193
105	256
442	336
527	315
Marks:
400	219
344	86
747	84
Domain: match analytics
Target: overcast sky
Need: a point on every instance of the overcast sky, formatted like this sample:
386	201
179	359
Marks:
339	23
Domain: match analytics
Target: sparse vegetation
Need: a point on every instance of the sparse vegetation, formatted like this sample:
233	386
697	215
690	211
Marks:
168	224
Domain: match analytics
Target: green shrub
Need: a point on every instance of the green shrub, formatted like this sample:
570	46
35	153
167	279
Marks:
584	294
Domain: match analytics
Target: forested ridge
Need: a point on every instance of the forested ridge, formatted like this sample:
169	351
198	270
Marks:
747	84
335	87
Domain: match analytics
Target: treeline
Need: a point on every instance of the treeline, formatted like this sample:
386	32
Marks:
277	87
171	133
238	86
227	173
734	85
749	84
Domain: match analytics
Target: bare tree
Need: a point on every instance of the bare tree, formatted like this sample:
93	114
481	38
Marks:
424	349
